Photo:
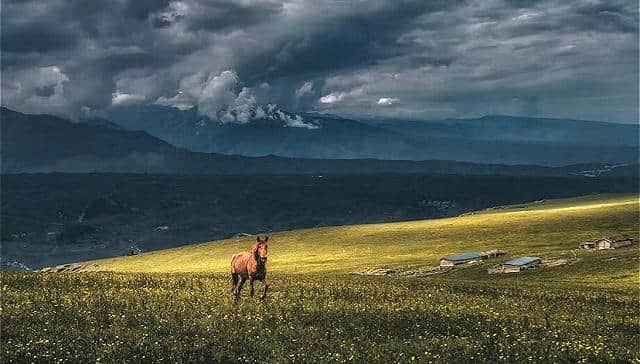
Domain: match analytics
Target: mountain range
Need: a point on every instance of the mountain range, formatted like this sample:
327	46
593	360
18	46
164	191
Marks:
46	143
489	139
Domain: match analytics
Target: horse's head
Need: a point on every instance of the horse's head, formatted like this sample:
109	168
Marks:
261	249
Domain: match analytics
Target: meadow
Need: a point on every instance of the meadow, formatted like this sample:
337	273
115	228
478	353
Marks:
548	229
174	305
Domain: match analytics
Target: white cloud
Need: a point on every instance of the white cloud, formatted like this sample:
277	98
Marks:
295	121
387	101
214	94
306	88
179	101
218	94
526	17
333	98
121	98
353	94
216	97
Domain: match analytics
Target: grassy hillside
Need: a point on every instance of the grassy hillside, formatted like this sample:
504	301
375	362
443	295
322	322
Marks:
548	229
317	313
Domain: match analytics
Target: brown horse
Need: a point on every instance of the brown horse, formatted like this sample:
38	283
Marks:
252	266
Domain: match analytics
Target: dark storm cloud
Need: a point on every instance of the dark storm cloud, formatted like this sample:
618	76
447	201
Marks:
607	17
37	37
352	38
409	59
214	16
45	91
141	9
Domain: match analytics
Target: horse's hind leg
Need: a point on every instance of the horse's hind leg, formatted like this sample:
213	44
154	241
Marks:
234	282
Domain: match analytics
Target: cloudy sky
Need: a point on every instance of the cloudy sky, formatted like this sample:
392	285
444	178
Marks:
399	59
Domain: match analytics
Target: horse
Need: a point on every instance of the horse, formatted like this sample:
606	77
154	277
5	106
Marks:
251	266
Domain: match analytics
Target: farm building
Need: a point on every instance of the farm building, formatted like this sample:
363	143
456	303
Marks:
492	254
613	242
452	260
517	265
587	245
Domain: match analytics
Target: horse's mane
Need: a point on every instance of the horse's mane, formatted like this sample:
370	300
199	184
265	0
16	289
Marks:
254	252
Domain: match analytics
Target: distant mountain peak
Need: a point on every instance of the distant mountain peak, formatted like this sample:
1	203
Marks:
270	113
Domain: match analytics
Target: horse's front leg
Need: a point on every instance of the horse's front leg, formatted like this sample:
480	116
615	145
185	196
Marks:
239	289
251	280
266	287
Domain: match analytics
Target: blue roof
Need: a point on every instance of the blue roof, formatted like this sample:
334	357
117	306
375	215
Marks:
523	261
465	256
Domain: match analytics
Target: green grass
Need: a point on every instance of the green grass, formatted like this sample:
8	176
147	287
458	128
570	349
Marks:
107	317
143	311
550	229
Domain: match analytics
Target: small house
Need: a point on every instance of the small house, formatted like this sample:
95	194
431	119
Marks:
492	254
587	245
517	265
613	242
452	260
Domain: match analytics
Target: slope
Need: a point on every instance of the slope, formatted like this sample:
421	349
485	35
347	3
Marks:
548	229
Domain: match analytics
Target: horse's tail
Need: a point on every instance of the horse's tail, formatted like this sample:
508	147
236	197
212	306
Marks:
233	260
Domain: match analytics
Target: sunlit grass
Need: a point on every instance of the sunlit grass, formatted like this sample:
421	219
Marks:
549	229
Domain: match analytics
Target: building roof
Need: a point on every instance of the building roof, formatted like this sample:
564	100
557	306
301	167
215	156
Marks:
522	261
464	256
